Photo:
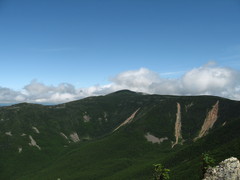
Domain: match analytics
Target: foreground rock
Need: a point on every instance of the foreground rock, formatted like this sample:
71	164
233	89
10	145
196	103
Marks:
229	169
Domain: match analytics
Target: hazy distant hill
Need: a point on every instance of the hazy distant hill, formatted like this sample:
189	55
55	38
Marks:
117	136
6	104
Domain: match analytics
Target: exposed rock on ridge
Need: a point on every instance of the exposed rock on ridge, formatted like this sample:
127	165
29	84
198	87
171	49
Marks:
229	169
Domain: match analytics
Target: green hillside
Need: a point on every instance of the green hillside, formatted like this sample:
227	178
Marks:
117	136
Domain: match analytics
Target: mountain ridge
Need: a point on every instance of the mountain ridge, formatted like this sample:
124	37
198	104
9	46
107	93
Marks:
123	122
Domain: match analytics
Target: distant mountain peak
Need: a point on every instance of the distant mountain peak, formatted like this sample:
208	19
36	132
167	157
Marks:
124	91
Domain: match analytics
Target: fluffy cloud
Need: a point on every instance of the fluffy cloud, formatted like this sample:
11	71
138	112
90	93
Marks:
209	79
206	80
7	95
41	93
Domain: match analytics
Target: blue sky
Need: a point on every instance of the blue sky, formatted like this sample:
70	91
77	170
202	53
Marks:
88	44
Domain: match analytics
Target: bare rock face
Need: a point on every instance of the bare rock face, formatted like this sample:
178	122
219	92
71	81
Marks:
211	118
178	125
229	169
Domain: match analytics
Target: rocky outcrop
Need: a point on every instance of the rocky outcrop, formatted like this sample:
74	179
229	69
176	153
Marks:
153	139
188	106
19	149
33	143
8	133
64	136
74	137
86	118
229	169
35	129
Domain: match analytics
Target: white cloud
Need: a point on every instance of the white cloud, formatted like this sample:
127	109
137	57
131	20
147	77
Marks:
39	92
7	95
209	79
138	80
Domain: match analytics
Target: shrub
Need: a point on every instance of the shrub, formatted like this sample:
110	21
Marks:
160	173
207	161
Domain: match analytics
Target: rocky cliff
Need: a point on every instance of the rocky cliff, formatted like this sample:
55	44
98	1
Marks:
229	169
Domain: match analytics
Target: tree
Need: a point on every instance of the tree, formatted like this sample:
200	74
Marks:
160	173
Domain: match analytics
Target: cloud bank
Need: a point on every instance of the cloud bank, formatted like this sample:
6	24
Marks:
209	79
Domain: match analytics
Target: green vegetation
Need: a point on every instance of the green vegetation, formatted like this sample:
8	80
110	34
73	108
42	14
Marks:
160	173
103	153
207	161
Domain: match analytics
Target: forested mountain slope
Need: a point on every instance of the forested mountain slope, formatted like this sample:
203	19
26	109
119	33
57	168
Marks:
117	136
